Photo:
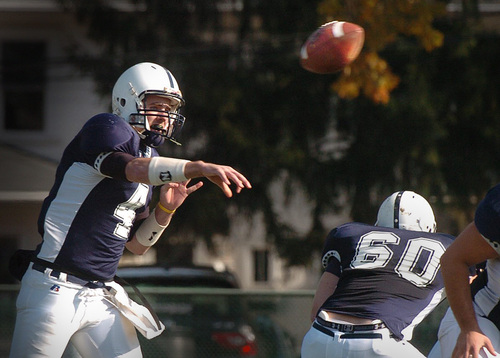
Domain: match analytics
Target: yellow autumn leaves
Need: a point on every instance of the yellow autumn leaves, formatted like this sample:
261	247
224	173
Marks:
383	20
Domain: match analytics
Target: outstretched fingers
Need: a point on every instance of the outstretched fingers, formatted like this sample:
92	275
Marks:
238	179
221	183
226	176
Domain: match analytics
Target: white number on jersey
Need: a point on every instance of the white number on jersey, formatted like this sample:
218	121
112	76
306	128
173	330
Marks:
126	211
372	251
418	264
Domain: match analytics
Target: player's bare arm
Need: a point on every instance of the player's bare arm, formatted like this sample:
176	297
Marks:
468	249
149	171
326	287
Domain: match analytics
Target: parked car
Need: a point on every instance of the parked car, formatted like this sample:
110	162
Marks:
197	325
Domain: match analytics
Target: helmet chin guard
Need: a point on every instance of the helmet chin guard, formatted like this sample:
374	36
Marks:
152	134
152	139
406	210
129	101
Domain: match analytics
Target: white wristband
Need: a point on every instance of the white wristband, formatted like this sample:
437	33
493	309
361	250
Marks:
163	170
150	231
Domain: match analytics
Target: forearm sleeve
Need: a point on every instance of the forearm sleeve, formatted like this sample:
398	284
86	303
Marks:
112	164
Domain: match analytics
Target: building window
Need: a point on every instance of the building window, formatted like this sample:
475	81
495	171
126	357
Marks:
261	265
23	82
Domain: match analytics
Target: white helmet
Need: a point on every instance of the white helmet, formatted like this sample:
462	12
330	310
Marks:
129	100
406	210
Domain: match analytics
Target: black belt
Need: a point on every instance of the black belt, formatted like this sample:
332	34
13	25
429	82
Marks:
350	327
323	329
347	335
70	278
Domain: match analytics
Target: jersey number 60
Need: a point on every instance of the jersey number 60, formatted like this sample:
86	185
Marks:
419	262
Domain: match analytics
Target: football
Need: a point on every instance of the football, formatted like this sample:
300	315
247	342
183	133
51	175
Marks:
331	47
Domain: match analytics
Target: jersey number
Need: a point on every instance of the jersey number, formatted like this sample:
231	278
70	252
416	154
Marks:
418	264
126	211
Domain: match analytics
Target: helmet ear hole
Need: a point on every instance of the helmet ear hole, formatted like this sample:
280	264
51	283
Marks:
123	101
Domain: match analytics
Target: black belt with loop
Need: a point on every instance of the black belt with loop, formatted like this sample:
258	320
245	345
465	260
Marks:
349	328
347	335
70	278
323	329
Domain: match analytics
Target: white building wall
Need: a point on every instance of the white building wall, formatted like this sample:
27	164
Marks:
70	99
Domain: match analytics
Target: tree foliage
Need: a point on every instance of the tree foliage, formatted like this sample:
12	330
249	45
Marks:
384	22
417	110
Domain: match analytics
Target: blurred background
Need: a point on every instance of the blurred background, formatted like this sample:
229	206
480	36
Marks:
417	110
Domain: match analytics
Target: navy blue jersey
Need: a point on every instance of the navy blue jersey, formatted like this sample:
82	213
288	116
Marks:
87	217
388	274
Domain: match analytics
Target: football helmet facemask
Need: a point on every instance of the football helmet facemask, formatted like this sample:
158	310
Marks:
130	101
406	210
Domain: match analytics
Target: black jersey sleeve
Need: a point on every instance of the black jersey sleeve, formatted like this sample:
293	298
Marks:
334	267
108	143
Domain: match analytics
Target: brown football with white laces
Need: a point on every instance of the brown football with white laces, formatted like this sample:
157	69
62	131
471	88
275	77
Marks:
331	47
